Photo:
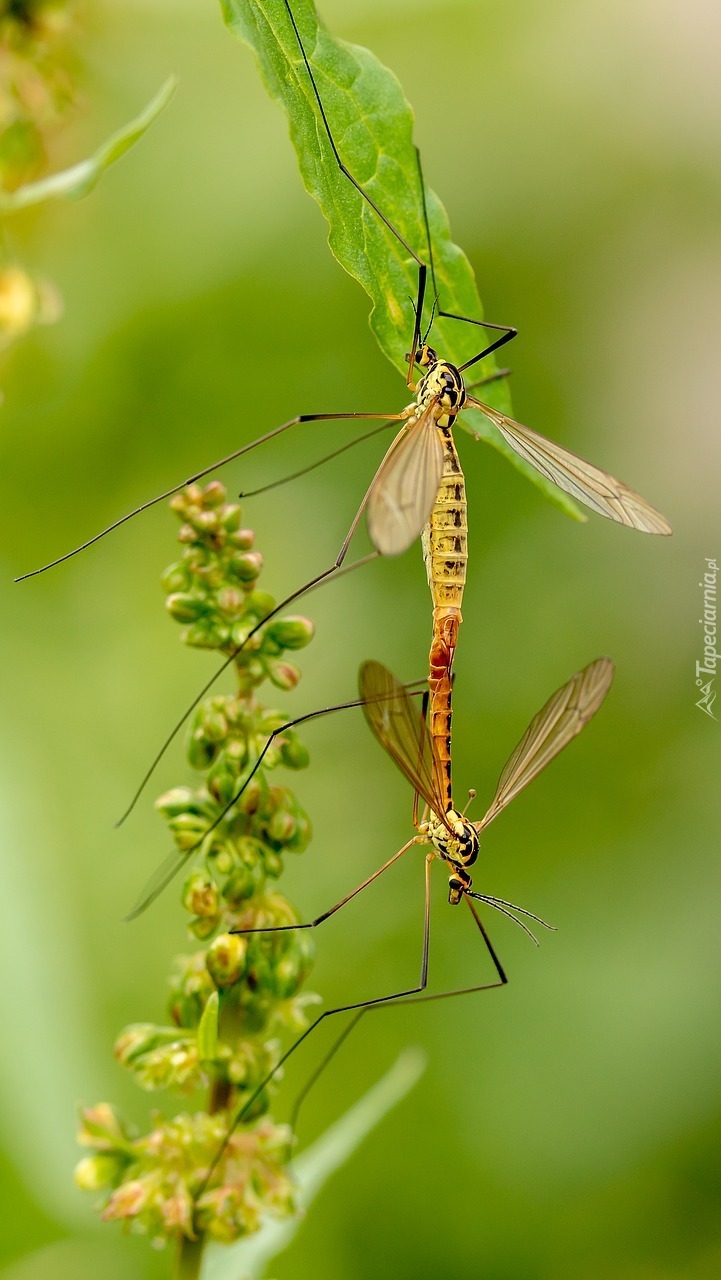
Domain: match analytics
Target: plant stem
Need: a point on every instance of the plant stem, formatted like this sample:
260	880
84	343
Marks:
189	1257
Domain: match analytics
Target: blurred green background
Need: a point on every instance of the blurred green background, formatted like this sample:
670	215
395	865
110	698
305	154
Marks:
569	1126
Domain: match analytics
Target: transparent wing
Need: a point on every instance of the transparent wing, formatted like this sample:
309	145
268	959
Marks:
588	484
160	879
406	486
563	716
402	731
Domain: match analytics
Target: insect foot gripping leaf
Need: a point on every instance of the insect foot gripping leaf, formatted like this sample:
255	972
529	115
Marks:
229	1001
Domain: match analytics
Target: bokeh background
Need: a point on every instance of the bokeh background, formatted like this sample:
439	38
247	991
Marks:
568	1127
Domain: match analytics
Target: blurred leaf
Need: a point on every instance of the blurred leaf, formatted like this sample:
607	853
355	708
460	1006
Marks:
373	126
248	1259
208	1029
79	180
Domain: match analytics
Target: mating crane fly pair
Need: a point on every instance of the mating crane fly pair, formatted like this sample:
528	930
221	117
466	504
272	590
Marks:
419	489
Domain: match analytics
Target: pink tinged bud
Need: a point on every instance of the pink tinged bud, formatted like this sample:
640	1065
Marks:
282	826
243	539
230	600
100	1127
178	1213
186	533
127	1202
214	494
284	675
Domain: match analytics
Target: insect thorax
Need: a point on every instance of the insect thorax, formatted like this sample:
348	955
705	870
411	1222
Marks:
441	381
460	848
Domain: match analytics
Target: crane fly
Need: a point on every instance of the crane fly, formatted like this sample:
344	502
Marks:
401	729
403	490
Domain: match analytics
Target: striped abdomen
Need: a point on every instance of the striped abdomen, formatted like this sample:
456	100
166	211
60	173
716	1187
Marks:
445	551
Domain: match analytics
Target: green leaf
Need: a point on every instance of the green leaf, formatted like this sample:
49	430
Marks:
248	1258
373	125
208	1029
79	180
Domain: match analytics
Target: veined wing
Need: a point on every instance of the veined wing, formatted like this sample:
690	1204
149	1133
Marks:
563	716
402	731
406	486
588	484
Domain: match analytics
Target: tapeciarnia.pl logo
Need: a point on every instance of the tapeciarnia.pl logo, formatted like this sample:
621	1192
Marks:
707	668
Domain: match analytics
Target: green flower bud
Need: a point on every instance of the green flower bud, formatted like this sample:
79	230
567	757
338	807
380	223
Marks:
231	517
224	862
175	578
226	959
187	533
282	827
243	883
188	829
135	1040
273	864
178	800
204	927
206	635
221	783
246	565
200	896
242	539
293	753
185	608
260	603
214	725
94	1173
284	675
302	835
292	632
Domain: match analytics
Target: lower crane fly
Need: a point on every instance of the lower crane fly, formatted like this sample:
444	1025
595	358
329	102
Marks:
401	729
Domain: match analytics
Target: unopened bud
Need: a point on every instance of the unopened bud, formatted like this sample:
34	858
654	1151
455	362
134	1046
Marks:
175	578
231	517
185	608
243	539
282	826
226	958
293	753
284	675
231	600
291	633
214	494
246	565
95	1172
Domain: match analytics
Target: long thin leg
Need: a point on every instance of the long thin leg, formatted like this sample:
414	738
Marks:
422	999
422	269
238	649
508	331
199	475
329	1013
312	924
313	466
